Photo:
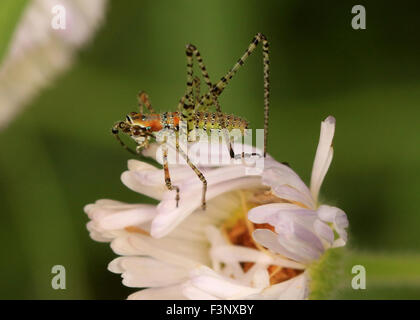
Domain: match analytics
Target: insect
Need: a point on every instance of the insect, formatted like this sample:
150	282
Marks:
193	112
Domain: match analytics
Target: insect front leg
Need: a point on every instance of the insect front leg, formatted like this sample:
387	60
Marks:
168	181
197	172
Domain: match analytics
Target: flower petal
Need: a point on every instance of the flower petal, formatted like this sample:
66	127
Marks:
208	281
169	216
165	293
323	156
279	176
268	239
324	231
338	218
294	289
203	153
194	293
143	272
182	253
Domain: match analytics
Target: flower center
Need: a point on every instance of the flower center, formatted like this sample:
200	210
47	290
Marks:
238	231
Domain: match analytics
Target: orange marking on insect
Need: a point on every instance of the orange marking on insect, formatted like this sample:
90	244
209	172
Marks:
154	121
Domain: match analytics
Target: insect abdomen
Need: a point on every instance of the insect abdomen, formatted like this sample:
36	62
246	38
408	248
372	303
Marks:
214	121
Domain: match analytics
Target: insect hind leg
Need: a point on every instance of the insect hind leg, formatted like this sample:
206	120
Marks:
144	101
217	89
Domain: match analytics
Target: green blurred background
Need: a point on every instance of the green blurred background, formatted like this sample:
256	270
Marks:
59	155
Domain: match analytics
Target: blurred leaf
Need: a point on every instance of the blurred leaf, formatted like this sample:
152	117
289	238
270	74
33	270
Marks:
10	12
41	228
388	267
388	276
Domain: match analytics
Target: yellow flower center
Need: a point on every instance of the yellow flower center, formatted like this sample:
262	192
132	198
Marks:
238	231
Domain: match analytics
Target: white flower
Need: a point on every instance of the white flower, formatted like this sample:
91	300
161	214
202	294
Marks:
186	253
37	52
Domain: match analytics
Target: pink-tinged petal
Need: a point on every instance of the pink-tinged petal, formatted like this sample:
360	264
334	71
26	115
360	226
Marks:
273	213
143	272
291	240
291	194
338	218
164	293
323	156
276	175
324	231
268	239
301	241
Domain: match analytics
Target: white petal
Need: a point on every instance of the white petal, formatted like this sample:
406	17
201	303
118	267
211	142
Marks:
122	219
223	288
147	272
136	165
202	153
133	182
168	250
293	289
109	218
276	175
261	278
323	156
169	216
193	293
165	293
122	246
234	254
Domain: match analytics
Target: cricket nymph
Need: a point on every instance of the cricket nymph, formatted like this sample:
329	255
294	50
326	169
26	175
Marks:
143	127
193	112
